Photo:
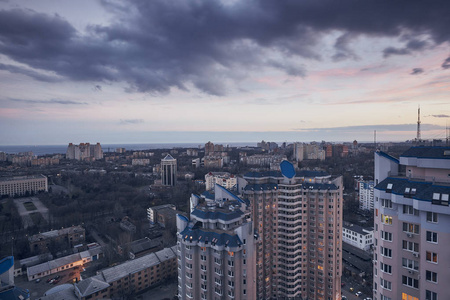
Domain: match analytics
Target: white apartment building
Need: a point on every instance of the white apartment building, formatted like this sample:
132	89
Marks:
365	194
224	179
357	236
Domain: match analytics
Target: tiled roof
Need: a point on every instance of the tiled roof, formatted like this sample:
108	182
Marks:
91	285
215	238
213	215
424	190
428	152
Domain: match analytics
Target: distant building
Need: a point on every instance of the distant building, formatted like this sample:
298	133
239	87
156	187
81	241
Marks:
121	150
358	236
84	151
20	186
45	161
263	160
168	170
365	194
3	156
209	148
164	215
140	162
211	161
192	152
69	237
224	179
141	247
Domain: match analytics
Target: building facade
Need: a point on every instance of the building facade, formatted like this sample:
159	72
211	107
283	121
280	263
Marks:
297	220
66	237
84	151
21	186
357	236
412	224
224	179
215	249
365	194
168	170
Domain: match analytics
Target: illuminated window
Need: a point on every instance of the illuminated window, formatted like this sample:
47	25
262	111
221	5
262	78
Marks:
408	297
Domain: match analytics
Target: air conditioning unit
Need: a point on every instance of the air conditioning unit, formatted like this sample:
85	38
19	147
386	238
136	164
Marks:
410	272
416	254
409	235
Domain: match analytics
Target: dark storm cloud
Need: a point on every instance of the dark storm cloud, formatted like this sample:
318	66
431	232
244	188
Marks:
446	63
161	44
29	72
51	101
416	71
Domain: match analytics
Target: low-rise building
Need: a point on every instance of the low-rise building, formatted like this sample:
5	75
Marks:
164	215
224	179
20	186
69	237
357	236
63	263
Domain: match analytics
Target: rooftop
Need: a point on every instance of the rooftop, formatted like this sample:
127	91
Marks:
428	152
358	229
215	237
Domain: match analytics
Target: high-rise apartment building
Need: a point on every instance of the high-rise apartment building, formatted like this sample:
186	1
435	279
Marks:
412	225
84	151
215	249
298	223
168	170
365	194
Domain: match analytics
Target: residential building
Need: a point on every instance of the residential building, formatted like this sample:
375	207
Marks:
140	247
168	170
84	151
298	224
21	186
365	194
357	236
140	162
412	224
164	215
123	280
67	237
224	179
215	249
209	148
213	161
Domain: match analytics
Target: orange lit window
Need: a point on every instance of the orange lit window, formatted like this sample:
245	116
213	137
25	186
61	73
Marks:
408	297
320	267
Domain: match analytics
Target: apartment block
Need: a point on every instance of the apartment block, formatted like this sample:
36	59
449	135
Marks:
84	151
365	194
297	218
215	249
412	224
224	179
20	186
357	236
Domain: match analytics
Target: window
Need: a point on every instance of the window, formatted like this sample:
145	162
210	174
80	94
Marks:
218	281
386	203
411	228
411	282
432	237
218	291
386	251
386	219
432	217
410	246
217	260
387	236
410	264
218	271
431	276
408	297
384	297
409	210
386	268
432	257
429	295
203	257
385	284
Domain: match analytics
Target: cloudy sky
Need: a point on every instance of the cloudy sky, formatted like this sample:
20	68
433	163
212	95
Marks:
140	71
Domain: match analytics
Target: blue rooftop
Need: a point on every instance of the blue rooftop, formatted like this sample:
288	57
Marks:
287	169
215	238
381	153
213	215
428	152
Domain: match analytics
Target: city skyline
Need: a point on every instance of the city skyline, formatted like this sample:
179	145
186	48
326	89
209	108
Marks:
225	71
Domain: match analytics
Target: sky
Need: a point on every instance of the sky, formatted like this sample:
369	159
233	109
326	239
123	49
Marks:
161	71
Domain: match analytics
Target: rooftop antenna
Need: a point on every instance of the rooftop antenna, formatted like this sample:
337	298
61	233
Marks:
418	125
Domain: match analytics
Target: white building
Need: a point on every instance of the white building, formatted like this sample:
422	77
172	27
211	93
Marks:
168	170
12	186
365	194
221	178
358	236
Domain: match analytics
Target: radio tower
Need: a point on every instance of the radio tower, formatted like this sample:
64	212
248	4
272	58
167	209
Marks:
418	125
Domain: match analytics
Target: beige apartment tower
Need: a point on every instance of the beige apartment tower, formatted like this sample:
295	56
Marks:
298	221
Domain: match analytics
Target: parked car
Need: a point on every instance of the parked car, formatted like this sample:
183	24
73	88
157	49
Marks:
358	294
352	289
51	281
38	280
57	277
